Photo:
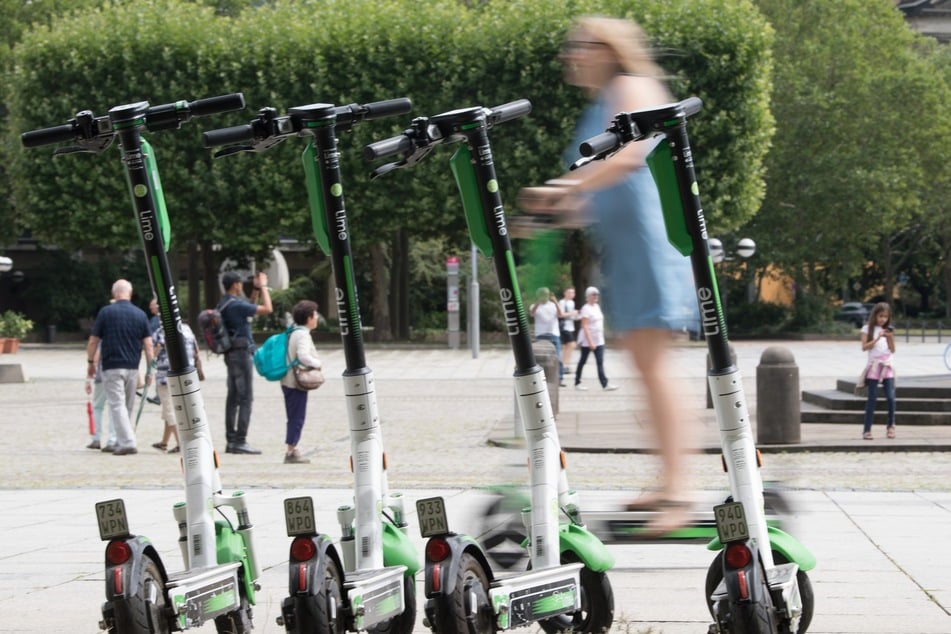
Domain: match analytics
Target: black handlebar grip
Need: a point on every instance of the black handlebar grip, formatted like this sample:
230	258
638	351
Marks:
604	142
228	136
388	108
692	105
214	105
48	136
388	147
511	110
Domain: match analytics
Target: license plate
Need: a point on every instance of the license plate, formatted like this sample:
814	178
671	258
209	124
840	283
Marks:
731	522
112	519
431	514
299	516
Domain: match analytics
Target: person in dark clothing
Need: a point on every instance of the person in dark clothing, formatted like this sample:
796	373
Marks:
236	313
121	332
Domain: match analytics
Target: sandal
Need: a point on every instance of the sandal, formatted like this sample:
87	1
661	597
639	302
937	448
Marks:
176	449
161	446
890	431
673	515
867	436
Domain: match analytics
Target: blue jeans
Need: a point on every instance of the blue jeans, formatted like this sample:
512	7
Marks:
240	395
598	357
295	406
555	341
872	385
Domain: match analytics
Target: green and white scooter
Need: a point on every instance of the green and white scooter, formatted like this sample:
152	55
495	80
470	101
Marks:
220	576
757	582
566	588
372	586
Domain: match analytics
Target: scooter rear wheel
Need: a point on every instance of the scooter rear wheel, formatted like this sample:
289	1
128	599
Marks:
143	613
451	613
715	574
597	605
320	613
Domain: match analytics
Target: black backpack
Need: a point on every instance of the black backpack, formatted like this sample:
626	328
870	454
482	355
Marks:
213	329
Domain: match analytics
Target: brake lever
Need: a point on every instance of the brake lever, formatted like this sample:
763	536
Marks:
233	149
90	146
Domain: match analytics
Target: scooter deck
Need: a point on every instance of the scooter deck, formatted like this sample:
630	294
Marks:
375	595
198	596
528	597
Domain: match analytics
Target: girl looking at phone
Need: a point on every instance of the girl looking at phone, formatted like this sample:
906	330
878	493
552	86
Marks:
878	339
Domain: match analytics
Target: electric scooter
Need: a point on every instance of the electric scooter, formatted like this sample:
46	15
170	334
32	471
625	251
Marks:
758	581
566	588
373	586
220	576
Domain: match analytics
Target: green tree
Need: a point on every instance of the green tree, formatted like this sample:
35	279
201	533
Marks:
484	54
855	102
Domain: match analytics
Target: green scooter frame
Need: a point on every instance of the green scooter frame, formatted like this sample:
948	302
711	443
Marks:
220	577
567	588
371	587
758	583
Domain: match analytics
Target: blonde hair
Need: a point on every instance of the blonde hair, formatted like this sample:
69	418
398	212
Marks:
626	39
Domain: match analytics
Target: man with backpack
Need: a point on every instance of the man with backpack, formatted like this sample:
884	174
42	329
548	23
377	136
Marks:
236	314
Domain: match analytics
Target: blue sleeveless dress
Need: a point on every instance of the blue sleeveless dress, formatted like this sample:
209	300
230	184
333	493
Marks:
648	283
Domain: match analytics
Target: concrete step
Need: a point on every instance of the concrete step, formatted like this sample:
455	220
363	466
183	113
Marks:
810	413
929	387
839	400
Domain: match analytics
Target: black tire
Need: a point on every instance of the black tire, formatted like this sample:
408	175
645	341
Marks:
597	605
451	609
313	613
405	622
237	621
715	575
144	613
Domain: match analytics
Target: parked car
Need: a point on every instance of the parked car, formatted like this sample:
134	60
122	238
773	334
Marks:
856	313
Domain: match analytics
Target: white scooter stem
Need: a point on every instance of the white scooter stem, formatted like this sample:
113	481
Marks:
739	453
549	482
366	451
202	479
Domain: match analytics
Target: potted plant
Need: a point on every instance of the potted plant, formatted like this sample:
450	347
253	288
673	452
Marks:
13	327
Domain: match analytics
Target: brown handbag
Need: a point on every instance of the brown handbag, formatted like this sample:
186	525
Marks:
308	378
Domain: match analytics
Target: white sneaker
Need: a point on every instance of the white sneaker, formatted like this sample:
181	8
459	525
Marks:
580	387
610	388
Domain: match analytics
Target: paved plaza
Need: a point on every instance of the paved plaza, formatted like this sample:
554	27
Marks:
878	521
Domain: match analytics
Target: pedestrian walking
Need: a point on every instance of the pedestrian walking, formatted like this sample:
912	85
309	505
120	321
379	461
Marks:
97	398
591	339
566	328
546	313
170	429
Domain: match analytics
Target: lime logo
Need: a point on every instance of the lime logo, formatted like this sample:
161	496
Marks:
140	191
493	185
694	189
336	190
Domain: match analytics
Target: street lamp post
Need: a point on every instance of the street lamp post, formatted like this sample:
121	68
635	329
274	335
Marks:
745	248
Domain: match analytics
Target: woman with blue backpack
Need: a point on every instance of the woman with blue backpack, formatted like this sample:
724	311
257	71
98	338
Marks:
300	348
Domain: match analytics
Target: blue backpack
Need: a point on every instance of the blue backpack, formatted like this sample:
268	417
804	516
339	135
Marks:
272	360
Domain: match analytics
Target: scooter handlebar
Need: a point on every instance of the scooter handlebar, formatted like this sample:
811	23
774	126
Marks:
48	136
388	147
604	142
227	136
510	110
214	105
388	108
692	105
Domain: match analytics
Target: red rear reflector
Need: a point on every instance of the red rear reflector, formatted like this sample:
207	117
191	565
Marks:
117	580
118	552
437	549
738	556
303	549
744	588
437	572
301	578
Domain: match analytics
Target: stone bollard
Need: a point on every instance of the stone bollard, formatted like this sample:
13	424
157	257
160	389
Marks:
545	357
778	414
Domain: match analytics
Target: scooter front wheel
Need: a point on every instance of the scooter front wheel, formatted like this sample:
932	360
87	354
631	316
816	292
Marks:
404	622
454	613
143	613
320	613
597	605
236	622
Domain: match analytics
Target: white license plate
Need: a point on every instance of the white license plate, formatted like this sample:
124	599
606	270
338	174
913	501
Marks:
731	522
112	519
299	515
431	514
